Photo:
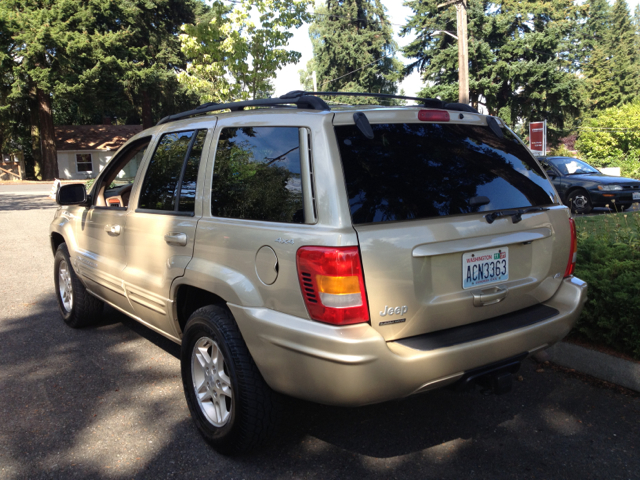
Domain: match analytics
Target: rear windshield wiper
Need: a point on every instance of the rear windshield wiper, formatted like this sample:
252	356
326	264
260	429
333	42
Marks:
516	215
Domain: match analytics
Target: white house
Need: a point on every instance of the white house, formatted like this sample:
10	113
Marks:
84	150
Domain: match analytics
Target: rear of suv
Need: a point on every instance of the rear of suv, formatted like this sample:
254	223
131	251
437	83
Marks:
346	255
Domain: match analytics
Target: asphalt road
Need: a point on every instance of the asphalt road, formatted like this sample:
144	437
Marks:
107	402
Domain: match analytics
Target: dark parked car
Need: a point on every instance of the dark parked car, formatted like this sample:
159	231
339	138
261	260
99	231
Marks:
583	187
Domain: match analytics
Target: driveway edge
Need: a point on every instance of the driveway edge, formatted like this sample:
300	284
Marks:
597	364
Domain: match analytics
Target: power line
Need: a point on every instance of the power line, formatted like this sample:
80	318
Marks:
358	69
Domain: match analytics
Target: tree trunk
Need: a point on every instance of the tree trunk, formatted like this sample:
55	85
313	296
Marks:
47	137
147	114
35	135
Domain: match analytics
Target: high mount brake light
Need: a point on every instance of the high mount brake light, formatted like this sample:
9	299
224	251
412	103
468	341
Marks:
433	116
332	284
573	253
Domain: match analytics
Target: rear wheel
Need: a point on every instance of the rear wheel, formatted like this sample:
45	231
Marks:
579	202
231	404
77	306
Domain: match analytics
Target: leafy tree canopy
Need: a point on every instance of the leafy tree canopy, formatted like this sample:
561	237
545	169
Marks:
233	57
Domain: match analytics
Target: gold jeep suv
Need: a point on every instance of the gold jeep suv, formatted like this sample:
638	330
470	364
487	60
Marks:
345	255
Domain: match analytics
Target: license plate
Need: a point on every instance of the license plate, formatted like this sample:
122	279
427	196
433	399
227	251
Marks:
484	267
636	195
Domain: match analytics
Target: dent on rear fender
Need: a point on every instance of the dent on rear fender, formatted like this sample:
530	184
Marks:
225	282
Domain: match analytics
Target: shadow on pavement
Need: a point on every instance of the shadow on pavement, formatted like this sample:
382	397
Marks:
25	202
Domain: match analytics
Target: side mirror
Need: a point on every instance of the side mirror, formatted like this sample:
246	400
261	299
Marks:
552	175
73	194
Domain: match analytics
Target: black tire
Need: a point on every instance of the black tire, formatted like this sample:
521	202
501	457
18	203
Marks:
248	417
84	309
579	202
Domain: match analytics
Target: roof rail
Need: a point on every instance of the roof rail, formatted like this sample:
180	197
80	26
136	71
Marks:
426	102
300	101
308	100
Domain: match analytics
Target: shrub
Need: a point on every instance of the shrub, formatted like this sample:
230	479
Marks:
612	139
609	261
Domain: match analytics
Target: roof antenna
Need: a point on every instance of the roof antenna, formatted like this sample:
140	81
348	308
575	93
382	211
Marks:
362	122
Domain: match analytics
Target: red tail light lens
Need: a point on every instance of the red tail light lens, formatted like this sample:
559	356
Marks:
433	116
573	253
332	284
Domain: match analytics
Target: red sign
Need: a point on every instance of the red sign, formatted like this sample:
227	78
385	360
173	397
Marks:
537	137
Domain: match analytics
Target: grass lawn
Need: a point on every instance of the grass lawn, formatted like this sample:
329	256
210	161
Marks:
611	228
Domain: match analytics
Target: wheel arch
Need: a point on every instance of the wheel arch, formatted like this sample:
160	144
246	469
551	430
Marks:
56	240
189	298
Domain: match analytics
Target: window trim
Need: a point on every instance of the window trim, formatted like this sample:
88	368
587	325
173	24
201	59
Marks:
89	162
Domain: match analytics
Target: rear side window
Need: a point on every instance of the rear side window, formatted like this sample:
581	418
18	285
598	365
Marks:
257	175
413	171
170	181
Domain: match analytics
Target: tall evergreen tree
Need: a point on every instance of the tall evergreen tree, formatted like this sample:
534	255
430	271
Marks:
594	58
521	56
623	56
353	49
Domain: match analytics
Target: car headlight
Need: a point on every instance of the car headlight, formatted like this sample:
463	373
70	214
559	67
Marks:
609	188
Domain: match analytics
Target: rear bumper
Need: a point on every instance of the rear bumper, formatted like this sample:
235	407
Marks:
354	365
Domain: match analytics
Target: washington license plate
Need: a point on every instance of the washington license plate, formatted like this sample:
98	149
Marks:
484	267
636	195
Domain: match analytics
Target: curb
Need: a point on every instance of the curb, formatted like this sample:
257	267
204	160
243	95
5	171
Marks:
599	365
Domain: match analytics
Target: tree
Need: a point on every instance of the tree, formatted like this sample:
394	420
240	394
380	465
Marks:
231	57
151	56
521	56
353	49
611	138
623	56
56	49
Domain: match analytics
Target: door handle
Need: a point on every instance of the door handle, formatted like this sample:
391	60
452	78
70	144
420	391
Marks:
176	238
113	229
489	296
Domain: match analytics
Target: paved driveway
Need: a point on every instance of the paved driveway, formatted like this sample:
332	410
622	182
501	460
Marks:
107	402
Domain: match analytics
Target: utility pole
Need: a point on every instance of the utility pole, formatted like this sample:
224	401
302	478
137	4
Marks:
463	49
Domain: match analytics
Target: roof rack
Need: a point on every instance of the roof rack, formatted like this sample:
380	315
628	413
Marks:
300	101
307	100
426	102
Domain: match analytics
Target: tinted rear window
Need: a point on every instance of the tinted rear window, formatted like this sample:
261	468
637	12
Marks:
412	171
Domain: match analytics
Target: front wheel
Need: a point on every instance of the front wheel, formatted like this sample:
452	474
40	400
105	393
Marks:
77	306
579	202
231	404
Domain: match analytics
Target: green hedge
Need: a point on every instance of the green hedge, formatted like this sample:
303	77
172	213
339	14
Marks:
609	261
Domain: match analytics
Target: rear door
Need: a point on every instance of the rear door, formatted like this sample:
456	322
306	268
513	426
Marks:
160	233
420	194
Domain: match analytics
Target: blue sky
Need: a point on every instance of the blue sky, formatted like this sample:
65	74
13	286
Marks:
288	78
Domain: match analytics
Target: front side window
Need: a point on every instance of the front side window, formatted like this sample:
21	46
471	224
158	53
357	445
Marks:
174	167
83	162
413	171
257	175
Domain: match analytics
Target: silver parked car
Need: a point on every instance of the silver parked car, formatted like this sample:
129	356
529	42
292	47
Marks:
345	255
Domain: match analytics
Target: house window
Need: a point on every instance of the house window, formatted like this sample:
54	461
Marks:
83	162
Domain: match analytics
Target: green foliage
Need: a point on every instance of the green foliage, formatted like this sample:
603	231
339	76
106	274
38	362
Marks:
231	57
609	261
612	139
353	50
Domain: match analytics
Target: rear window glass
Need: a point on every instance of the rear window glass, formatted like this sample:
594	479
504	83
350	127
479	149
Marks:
413	171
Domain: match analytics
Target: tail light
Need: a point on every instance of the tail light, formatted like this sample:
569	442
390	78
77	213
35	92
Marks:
573	253
332	284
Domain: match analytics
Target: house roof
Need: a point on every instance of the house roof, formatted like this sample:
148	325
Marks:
94	137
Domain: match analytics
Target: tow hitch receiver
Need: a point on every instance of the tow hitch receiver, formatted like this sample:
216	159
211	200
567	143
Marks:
494	378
